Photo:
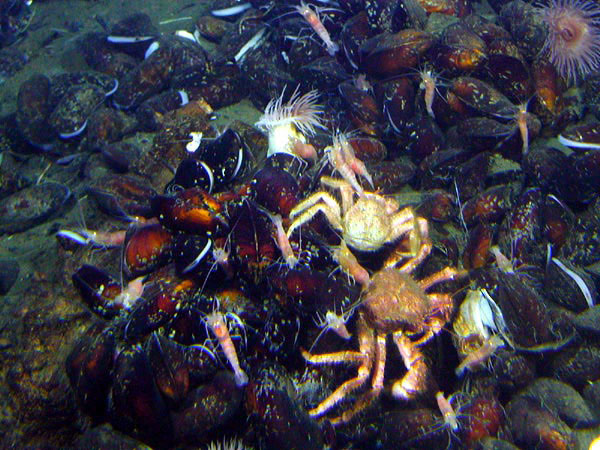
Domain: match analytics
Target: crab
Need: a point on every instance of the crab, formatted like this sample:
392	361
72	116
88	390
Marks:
367	223
396	304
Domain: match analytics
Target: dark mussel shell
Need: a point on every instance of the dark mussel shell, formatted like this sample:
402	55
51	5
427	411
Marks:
192	253
362	107
509	71
323	73
192	210
460	50
355	33
533	425
32	206
136	406
146	248
398	100
98	290
122	196
389	176
276	190
227	156
190	173
252	240
390	54
89	366
483	97
582	137
207	408
33	109
169	367
522	229
489	206
160	303
282	422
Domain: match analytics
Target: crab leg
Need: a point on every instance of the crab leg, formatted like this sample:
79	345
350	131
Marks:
376	385
367	348
415	380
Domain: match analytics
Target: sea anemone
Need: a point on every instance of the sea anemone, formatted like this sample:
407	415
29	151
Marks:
301	110
573	41
288	123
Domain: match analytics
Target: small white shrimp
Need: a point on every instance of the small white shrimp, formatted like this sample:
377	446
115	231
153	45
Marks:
283	242
102	239
478	357
447	411
130	294
429	84
335	322
312	17
216	322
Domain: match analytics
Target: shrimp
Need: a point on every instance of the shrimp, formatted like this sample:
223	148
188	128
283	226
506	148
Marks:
335	322
283	242
130	294
312	17
343	159
447	410
429	84
521	119
103	239
477	358
216	322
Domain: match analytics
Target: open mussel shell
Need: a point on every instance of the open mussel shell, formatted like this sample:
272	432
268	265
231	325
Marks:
146	248
193	210
98	290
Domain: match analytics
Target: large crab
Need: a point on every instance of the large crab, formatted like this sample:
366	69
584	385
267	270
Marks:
366	223
397	304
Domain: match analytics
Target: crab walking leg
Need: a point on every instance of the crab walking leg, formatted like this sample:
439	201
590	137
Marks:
376	385
350	265
217	324
308	208
415	380
449	273
367	344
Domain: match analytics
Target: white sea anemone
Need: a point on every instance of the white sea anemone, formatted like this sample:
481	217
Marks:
573	41
288	123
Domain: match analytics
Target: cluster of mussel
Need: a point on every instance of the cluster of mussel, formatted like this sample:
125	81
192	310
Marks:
207	286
